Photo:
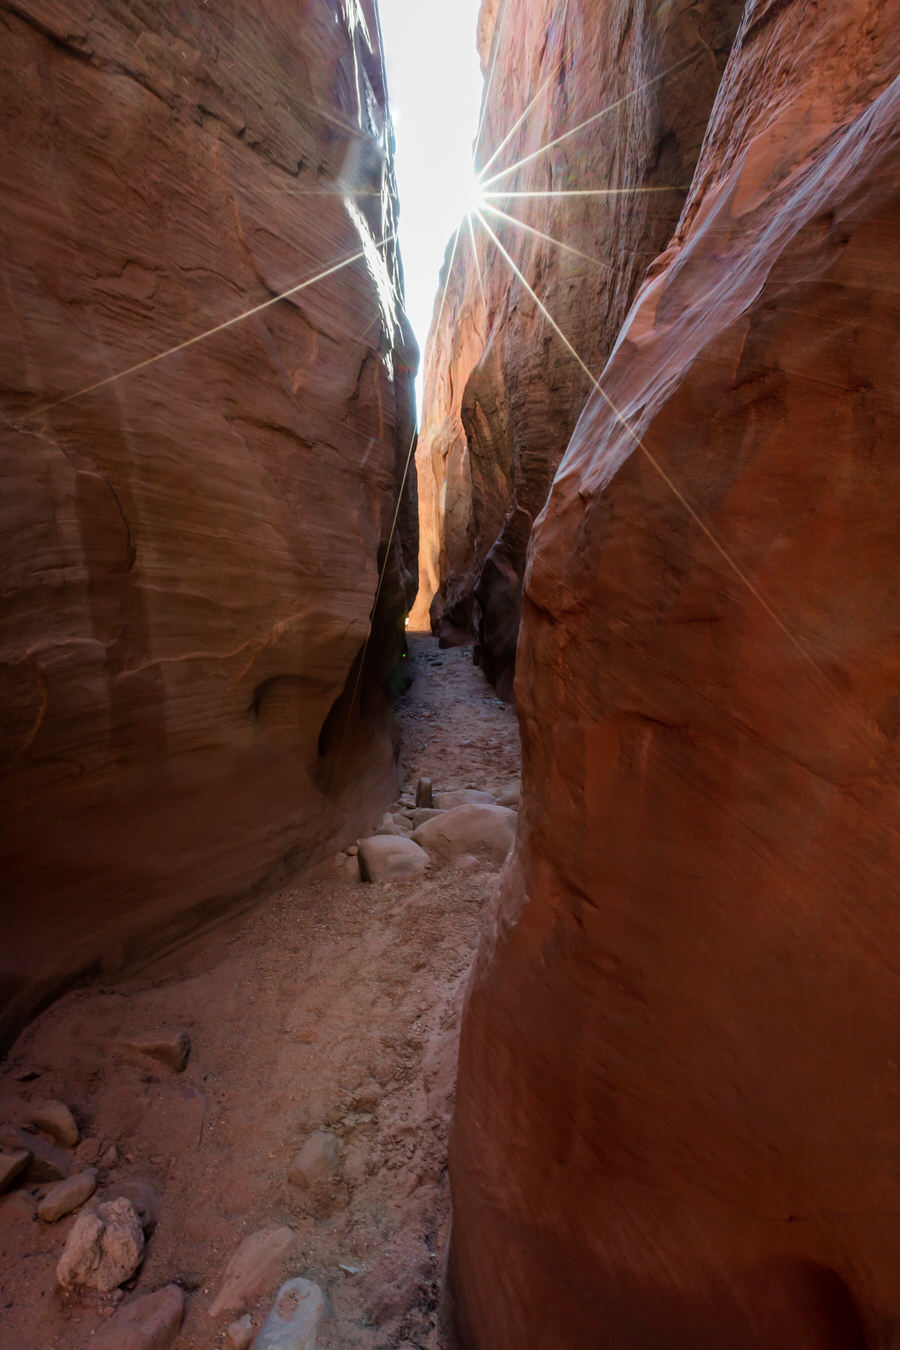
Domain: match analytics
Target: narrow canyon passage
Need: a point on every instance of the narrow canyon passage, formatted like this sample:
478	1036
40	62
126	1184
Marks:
333	1008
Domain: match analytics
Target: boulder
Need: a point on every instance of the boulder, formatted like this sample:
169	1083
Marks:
445	801
483	831
66	1196
509	796
151	1322
424	813
253	1266
294	1321
46	1160
391	858
103	1249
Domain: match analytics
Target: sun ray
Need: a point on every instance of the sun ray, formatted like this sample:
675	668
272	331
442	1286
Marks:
567	248
583	192
827	684
201	337
475	257
604	112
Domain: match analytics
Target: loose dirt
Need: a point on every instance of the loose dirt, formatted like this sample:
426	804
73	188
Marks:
333	1006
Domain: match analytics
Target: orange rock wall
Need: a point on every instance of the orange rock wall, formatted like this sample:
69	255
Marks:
190	553
502	393
676	1120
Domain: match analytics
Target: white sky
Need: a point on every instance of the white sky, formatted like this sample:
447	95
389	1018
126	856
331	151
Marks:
434	83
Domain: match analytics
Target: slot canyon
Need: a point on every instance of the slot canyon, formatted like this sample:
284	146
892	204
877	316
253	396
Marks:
450	865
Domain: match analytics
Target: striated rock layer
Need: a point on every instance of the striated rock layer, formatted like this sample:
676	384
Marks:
677	1107
634	85
190	552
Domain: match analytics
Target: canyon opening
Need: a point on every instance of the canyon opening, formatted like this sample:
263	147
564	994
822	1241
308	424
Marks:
449	659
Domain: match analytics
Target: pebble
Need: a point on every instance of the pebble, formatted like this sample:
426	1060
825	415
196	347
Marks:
239	1335
88	1152
66	1196
150	1322
253	1264
318	1160
55	1119
353	850
294	1321
11	1165
110	1157
103	1249
171	1048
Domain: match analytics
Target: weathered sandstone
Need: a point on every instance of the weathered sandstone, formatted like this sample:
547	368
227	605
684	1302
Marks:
502	392
190	552
677	1106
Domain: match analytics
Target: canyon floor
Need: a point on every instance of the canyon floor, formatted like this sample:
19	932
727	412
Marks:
333	1006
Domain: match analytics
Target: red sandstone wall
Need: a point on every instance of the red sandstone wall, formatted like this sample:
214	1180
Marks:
677	1108
502	394
190	553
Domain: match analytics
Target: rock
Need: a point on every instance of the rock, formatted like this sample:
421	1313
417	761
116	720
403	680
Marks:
317	1161
502	395
103	1249
353	850
678	1064
170	1048
145	1201
425	813
12	1164
423	794
391	858
46	1162
55	1119
348	869
254	1264
402	822
138	580
294	1321
445	801
151	1322
509	796
88	1152
467	862
66	1196
239	1335
109	1158
485	831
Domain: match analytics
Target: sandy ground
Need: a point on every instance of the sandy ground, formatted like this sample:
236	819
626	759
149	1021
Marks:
333	1006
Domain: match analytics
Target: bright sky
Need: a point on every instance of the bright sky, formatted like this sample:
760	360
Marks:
434	83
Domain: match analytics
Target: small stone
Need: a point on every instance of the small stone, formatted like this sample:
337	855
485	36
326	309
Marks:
148	1323
467	863
251	1267
423	814
88	1152
66	1196
145	1201
11	1165
389	858
109	1158
402	822
294	1321
353	850
424	793
55	1119
103	1249
509	796
317	1160
239	1335
170	1048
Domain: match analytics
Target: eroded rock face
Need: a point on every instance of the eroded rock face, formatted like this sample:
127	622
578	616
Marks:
191	552
676	1107
502	391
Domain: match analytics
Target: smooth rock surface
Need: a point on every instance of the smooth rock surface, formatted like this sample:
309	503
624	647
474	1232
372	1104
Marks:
55	1119
47	1162
254	1265
12	1164
445	801
481	830
104	1248
391	858
635	84
66	1196
294	1321
191	550
676	1120
151	1322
